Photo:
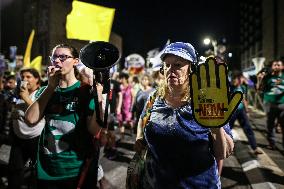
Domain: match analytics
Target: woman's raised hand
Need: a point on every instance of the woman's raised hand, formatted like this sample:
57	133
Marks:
54	75
212	102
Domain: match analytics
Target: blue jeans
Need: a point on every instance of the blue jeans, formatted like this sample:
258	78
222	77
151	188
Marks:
242	117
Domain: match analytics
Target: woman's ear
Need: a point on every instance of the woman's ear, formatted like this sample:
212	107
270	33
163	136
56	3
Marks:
189	68
76	62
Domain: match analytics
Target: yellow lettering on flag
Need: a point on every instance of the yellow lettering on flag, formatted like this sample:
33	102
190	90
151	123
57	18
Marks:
89	22
27	56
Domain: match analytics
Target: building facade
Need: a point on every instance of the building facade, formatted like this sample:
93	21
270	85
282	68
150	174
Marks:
261	26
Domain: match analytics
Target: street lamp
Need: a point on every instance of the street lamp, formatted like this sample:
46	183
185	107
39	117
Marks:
207	41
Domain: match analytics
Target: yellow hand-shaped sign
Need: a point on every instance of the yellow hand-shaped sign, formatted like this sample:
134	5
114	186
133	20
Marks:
211	102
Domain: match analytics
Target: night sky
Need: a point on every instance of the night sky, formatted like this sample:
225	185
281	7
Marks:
147	24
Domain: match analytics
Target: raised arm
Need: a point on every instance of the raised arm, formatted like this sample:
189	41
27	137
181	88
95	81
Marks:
223	144
35	111
25	96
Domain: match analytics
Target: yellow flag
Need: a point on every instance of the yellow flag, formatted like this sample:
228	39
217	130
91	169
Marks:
27	56
89	22
36	63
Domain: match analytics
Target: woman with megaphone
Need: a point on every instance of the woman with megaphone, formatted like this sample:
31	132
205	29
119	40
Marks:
71	122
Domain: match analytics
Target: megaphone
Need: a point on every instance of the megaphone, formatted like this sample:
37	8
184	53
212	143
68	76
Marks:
99	56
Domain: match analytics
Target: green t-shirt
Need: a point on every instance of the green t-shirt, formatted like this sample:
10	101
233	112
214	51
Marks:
274	92
39	91
60	156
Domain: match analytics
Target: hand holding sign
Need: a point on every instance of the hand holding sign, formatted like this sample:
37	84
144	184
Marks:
211	102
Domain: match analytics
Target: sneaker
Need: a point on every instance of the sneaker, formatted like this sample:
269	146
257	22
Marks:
257	151
271	147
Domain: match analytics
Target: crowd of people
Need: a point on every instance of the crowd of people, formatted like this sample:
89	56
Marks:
42	123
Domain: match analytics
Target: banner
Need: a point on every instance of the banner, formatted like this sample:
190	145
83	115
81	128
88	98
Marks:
89	22
156	60
27	56
13	52
2	64
135	63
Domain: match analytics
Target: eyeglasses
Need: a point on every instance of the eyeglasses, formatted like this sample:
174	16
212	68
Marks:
61	57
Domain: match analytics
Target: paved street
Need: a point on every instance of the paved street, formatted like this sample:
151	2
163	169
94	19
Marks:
242	170
264	170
